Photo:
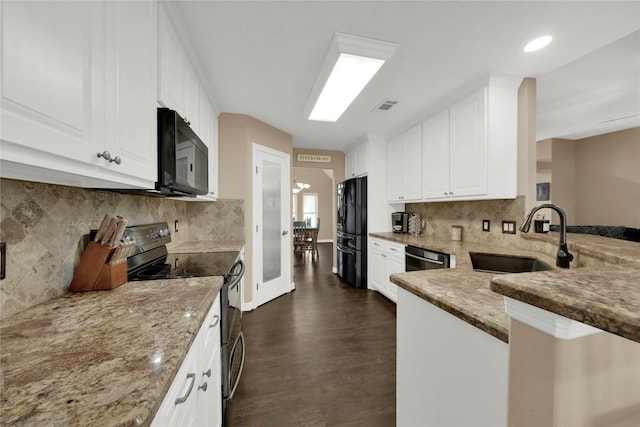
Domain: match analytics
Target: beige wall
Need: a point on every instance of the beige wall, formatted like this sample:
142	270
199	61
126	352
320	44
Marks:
321	182
594	180
608	179
527	142
236	134
337	165
588	381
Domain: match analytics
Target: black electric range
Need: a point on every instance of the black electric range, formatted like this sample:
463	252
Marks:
150	260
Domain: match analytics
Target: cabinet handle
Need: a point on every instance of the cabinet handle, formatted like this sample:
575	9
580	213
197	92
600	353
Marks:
117	160
203	387
106	155
207	373
183	399
216	319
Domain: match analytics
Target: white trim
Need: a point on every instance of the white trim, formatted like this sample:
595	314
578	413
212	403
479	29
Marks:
547	322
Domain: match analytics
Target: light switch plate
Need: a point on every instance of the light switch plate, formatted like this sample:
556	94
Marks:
508	227
486	225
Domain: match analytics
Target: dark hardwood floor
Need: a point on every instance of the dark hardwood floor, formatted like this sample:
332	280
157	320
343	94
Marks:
322	355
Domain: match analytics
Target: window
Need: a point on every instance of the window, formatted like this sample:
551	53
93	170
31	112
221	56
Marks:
294	207
310	206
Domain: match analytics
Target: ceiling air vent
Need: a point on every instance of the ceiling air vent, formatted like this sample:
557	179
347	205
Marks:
385	105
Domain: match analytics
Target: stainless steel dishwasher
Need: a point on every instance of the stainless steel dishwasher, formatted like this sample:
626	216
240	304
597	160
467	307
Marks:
424	259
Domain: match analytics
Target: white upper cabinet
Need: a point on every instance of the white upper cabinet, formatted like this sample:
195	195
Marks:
76	81
404	166
357	161
470	149
130	106
171	60
179	89
468	146
435	156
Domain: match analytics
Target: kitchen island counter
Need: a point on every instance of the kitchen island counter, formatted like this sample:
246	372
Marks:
461	291
606	297
100	358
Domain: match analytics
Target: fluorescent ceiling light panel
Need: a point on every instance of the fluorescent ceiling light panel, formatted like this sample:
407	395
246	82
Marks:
537	44
349	65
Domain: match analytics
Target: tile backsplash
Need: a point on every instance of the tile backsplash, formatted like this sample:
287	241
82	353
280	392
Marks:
440	217
46	227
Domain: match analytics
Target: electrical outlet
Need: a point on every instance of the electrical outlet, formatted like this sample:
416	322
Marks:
175	226
508	227
486	225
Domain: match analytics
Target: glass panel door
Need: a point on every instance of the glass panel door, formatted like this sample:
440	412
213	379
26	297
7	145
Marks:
271	220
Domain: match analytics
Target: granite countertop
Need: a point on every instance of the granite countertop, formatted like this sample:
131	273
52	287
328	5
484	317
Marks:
206	246
607	297
101	357
460	291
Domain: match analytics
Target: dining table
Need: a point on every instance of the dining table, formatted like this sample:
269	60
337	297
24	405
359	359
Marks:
311	229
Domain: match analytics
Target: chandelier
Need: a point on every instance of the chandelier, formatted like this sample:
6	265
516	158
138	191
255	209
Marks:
299	186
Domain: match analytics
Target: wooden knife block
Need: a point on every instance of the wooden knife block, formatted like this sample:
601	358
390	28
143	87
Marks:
94	273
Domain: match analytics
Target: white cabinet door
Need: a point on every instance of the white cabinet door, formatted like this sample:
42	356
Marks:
412	164
361	155
190	111
468	146
171	61
395	264
179	405
350	164
131	134
395	174
79	80
209	402
435	156
197	386
51	81
377	279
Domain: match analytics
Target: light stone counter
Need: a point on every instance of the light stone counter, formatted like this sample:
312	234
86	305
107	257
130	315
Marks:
207	246
102	358
606	297
460	291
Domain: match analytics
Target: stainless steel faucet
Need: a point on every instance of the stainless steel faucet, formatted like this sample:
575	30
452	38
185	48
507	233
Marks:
563	258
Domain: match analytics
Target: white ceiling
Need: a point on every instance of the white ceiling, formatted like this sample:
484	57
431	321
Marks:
261	58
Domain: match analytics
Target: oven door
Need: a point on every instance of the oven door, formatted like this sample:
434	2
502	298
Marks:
419	259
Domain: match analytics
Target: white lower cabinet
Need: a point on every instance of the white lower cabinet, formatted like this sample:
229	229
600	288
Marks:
195	396
449	373
387	258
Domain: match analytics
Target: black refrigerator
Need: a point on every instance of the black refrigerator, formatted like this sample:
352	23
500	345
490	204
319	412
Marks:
351	239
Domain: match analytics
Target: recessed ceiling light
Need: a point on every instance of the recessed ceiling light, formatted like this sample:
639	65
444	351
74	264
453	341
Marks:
349	65
537	44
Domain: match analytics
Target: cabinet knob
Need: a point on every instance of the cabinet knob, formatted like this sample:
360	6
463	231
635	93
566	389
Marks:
187	121
207	373
106	155
203	387
117	160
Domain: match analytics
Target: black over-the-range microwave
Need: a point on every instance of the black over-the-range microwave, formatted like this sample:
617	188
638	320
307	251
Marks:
183	159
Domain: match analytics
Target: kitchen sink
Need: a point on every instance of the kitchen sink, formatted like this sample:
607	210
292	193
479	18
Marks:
506	264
